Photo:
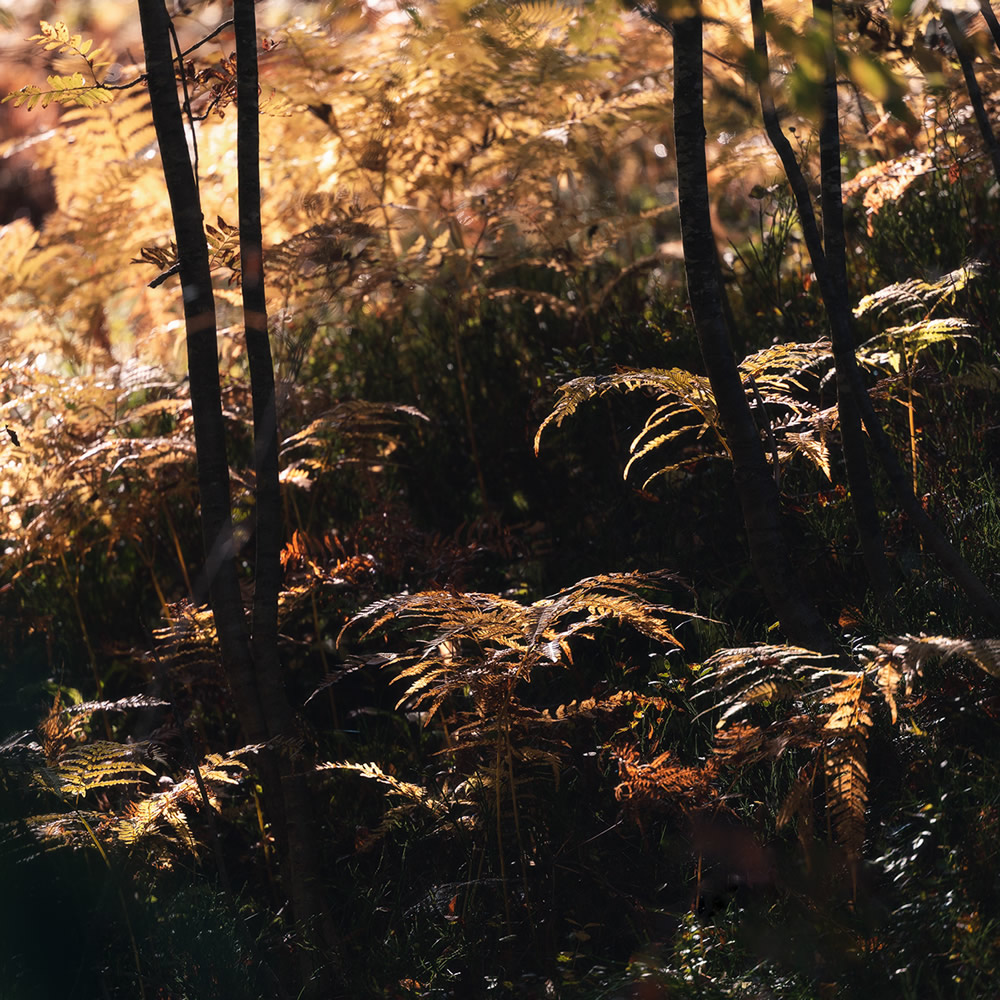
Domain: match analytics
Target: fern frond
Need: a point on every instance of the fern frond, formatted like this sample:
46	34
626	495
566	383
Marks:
912	653
894	348
917	294
647	787
101	764
798	799
687	405
163	810
353	431
845	760
751	675
486	643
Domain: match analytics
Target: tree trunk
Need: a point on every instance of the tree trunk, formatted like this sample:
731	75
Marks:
859	479
965	56
253	671
300	828
757	491
219	573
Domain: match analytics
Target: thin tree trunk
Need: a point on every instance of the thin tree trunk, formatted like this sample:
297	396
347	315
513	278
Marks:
964	52
300	827
203	369
757	492
859	479
933	537
989	16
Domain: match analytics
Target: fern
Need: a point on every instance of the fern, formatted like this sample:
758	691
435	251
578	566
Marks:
845	761
72	89
917	294
687	410
97	765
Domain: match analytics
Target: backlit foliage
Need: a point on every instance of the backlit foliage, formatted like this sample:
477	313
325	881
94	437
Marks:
454	196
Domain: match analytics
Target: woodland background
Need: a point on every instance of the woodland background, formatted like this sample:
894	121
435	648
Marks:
544	733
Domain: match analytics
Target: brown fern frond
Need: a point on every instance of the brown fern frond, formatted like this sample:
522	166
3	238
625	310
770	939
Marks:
648	787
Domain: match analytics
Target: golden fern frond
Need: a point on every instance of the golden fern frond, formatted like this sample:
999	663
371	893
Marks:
894	348
845	760
149	815
485	642
417	794
73	829
812	445
687	407
846	769
101	764
688	395
849	698
22	259
590	708
917	294
187	646
450	808
164	809
353	431
780	368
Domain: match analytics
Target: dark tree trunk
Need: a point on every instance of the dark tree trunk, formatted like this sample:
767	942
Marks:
757	491
935	540
965	56
203	369
300	828
991	21
253	671
859	479
832	277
